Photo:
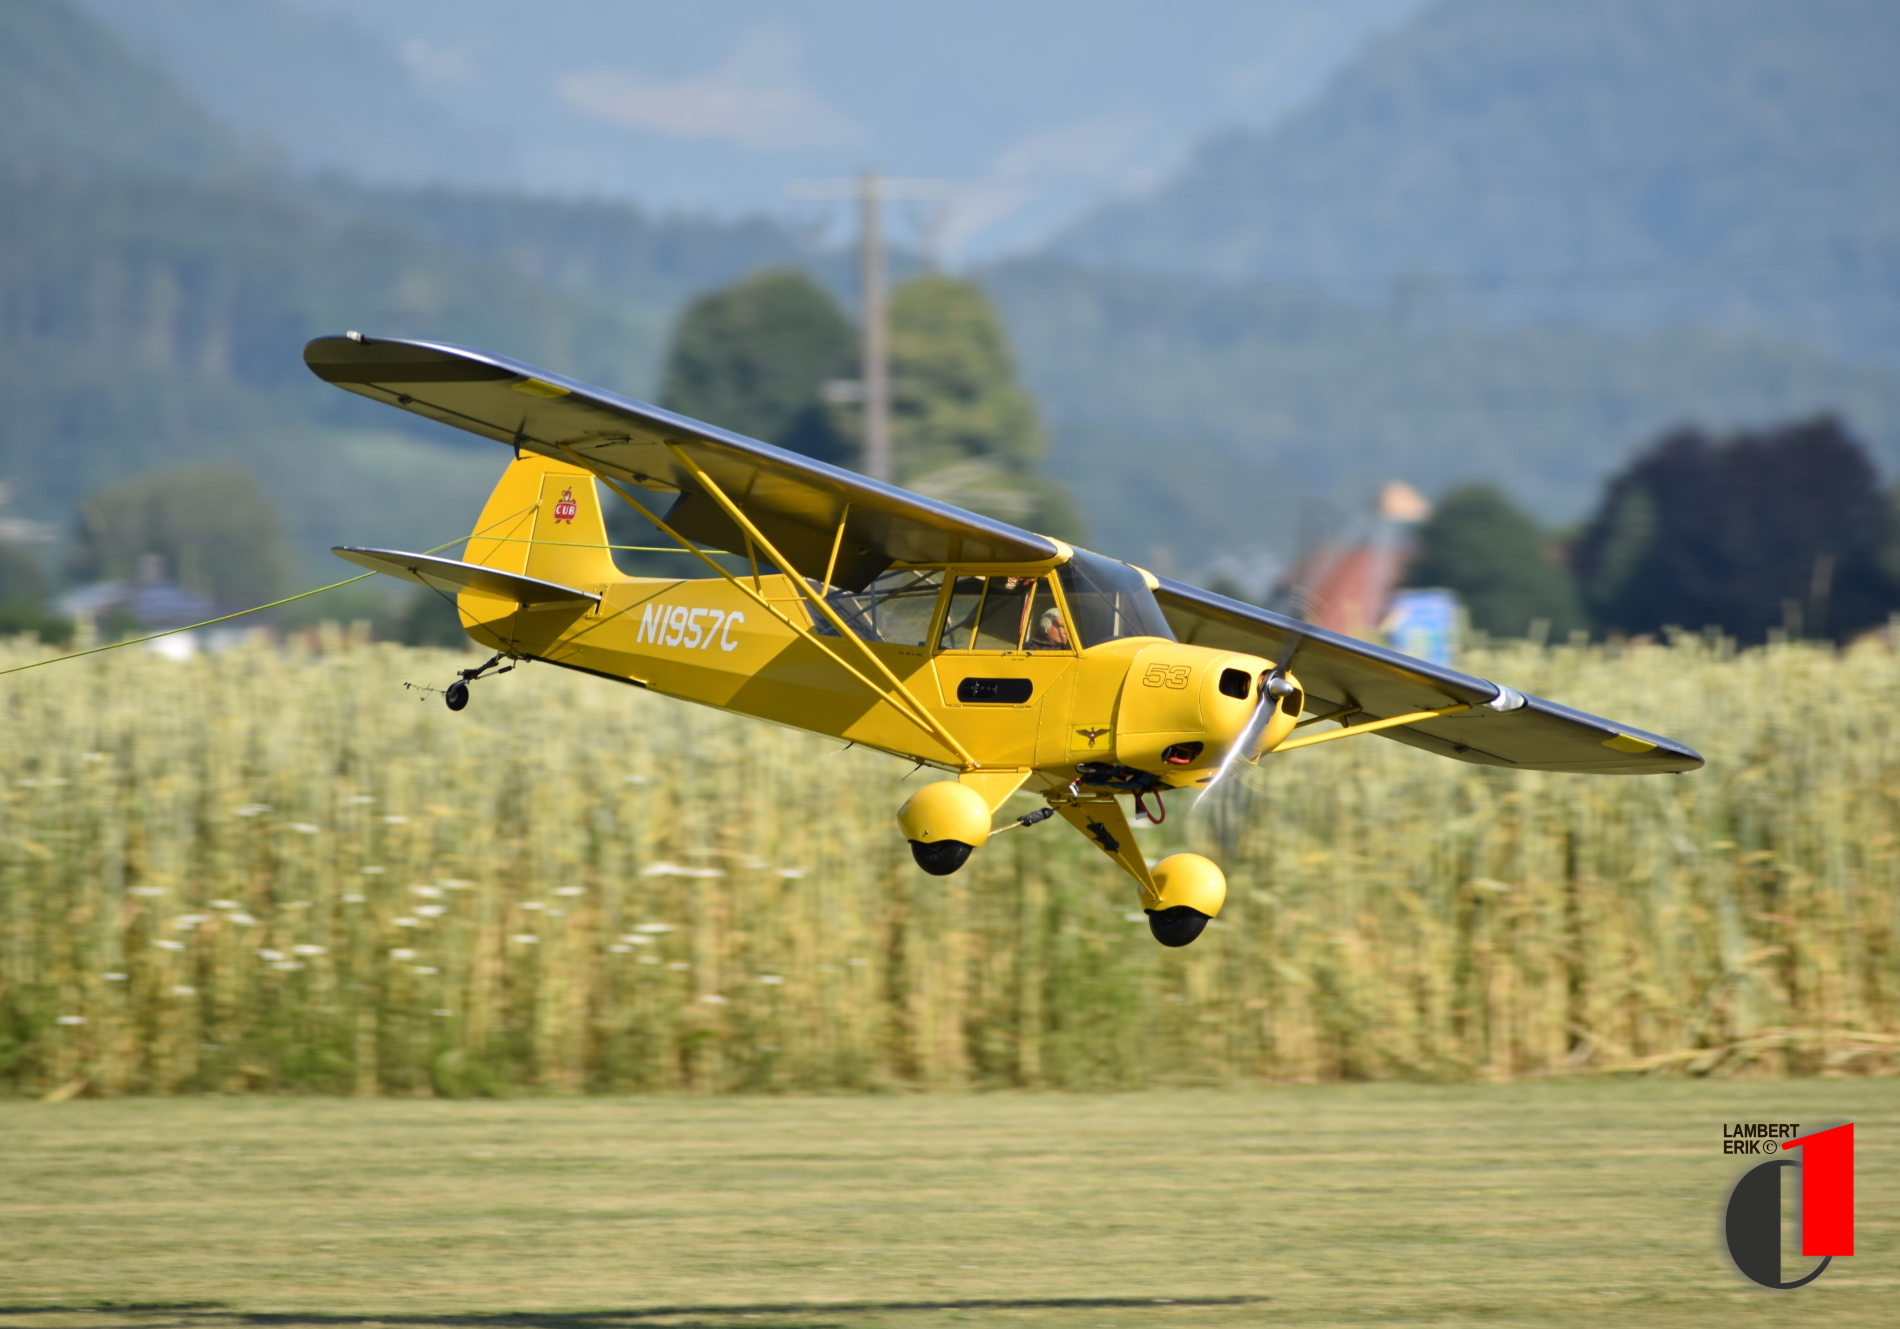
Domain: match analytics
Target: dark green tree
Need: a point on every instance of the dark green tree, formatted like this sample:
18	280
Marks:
1890	541
215	531
1759	530
754	358
22	579
962	428
422	618
1481	545
23	589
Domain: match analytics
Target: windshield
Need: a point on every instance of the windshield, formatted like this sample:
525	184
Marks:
1110	600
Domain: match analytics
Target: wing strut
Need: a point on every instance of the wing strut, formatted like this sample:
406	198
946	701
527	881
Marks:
1370	727
819	603
904	704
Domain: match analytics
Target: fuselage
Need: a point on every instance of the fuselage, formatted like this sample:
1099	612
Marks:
1011	690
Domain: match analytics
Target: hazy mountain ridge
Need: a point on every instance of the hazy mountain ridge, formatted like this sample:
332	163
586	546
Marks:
1192	413
1629	163
612	252
166	321
75	101
150	321
275	69
158	279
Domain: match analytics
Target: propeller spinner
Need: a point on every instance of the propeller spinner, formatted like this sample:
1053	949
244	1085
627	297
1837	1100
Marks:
1276	685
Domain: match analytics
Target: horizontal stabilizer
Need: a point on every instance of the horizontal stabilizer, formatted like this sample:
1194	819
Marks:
450	575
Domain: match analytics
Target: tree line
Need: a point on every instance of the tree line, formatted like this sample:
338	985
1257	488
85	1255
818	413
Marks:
772	357
1781	529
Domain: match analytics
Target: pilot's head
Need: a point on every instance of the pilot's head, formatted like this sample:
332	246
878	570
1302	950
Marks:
1051	627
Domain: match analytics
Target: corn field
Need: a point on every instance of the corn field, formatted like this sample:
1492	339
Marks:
281	871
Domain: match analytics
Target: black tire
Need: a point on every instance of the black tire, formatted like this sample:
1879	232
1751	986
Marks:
457	695
942	857
1176	925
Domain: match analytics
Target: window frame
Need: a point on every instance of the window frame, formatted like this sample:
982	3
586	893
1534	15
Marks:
822	628
1044	577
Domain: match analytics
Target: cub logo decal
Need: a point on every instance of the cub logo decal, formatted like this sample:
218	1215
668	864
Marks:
566	509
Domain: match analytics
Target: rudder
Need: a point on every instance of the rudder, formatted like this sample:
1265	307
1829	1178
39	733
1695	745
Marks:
544	520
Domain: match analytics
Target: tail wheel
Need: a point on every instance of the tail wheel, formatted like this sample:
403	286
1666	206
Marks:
457	695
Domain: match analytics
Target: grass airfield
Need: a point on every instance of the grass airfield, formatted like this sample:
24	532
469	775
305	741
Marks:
1552	1203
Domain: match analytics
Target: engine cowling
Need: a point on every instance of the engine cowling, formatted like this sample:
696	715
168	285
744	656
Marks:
1183	707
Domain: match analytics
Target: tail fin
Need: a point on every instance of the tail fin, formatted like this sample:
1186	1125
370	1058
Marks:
544	521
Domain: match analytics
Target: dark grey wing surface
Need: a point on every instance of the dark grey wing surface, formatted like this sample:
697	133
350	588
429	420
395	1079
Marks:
795	501
1358	681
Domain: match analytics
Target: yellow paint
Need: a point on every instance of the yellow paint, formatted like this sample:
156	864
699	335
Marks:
534	387
994	787
910	705
1629	743
747	644
1191	880
1171	698
946	810
1102	821
1370	727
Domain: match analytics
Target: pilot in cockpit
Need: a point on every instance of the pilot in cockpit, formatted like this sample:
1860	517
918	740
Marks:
1049	634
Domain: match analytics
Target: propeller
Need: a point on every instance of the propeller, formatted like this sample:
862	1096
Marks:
1275	687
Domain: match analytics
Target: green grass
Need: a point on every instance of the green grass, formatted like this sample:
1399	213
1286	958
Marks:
1552	1203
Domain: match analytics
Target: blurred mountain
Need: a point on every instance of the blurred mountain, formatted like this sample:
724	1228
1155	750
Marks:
74	100
608	251
148	323
325	93
1631	164
159	274
158	279
1192	415
1036	112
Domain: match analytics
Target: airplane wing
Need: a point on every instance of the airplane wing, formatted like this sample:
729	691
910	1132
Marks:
1357	681
794	500
449	575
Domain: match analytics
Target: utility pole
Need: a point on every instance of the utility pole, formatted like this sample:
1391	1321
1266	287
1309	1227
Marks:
876	370
871	191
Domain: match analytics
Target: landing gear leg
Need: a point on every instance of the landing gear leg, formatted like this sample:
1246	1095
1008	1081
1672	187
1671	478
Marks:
456	695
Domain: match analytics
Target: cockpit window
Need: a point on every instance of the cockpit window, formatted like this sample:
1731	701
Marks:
1109	601
1004	614
1005	611
896	608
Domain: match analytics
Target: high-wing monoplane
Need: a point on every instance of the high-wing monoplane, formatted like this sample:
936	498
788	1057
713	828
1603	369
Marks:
874	615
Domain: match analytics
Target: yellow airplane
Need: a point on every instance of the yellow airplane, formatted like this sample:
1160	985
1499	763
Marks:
871	614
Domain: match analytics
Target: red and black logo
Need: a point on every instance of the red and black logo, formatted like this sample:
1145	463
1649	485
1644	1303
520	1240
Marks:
1752	1223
